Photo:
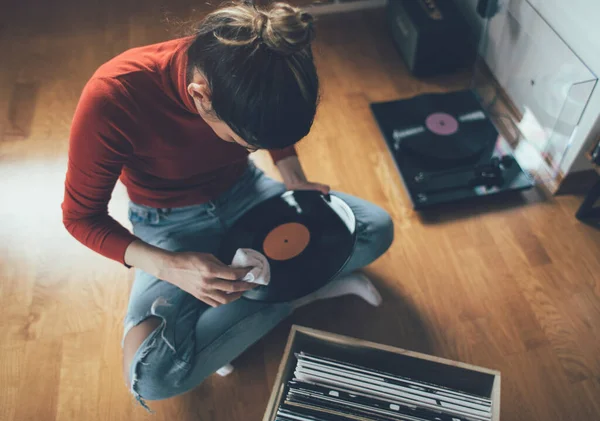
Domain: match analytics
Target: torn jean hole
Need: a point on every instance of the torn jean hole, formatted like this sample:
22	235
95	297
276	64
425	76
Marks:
149	344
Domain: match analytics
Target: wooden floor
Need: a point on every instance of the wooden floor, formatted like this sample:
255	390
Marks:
511	284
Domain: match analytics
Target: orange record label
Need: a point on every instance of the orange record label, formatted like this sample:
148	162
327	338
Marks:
286	241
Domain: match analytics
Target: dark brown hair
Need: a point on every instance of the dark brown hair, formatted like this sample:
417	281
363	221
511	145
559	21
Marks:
260	70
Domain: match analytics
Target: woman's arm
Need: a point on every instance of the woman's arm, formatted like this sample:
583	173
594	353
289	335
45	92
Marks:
97	153
294	178
199	274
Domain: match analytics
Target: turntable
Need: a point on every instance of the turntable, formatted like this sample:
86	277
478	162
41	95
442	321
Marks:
513	128
446	148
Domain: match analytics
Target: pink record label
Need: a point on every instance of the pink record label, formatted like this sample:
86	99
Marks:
442	124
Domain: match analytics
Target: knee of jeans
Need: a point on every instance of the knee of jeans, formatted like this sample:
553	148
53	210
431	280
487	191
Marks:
381	232
387	232
154	382
156	374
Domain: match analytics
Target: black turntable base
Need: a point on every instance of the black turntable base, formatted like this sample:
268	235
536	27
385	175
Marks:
447	149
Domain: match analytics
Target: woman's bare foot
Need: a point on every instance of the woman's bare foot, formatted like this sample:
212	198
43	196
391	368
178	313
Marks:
354	283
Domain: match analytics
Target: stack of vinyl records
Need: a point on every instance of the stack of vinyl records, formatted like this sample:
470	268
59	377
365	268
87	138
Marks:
328	390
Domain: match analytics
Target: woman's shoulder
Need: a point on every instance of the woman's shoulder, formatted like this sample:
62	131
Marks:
141	60
134	72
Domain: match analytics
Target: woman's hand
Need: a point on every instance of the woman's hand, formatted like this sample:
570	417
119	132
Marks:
293	176
199	274
205	277
307	185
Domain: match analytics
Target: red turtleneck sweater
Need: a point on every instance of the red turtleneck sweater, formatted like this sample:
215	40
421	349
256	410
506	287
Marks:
135	121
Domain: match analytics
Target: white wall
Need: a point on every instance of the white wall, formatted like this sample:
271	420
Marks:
577	22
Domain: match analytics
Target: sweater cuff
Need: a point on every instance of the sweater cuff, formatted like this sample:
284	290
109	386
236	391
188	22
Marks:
279	154
115	246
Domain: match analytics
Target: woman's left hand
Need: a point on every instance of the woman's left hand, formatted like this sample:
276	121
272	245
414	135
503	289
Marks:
307	185
294	178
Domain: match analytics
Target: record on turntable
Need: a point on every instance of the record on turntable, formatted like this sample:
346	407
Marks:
306	236
441	130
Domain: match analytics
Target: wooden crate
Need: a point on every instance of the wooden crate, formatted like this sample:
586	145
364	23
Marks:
463	377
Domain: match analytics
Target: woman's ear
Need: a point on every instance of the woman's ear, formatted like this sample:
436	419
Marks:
200	92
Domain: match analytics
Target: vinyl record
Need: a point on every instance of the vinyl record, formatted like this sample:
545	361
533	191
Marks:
307	238
457	130
454	146
440	130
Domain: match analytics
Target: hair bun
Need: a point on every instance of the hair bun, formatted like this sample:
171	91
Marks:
285	29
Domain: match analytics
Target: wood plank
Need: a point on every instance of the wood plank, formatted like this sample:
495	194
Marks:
11	371
588	391
79	376
113	401
38	393
544	378
579	363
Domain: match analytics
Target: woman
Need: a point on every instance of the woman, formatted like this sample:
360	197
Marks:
176	122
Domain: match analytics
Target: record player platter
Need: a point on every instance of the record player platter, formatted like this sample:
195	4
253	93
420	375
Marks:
306	236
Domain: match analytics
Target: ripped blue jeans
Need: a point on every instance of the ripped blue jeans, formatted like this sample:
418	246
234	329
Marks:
194	339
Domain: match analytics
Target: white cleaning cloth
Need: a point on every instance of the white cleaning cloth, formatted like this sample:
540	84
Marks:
260	272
